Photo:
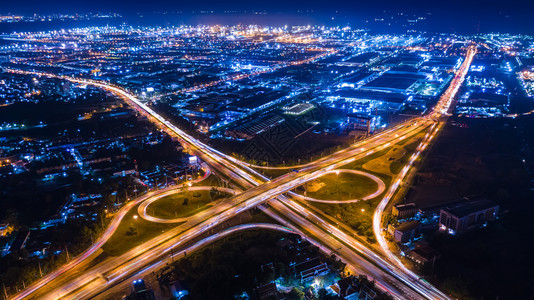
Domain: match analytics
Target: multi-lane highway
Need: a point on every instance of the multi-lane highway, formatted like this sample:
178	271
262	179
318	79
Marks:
90	281
441	111
280	185
122	284
202	222
92	252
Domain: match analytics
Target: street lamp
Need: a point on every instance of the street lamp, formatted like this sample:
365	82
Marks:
135	223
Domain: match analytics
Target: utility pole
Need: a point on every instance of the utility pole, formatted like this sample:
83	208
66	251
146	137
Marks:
67	251
40	270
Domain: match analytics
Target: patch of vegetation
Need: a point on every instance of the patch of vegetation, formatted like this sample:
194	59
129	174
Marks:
342	186
234	265
133	232
18	266
391	160
274	173
483	158
184	204
397	164
358	215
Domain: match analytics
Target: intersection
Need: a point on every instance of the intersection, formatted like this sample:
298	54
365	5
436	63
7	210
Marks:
274	195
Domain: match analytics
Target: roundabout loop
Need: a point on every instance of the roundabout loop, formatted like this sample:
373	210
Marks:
142	209
381	188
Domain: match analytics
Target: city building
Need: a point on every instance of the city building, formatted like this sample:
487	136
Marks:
395	81
405	232
311	268
298	109
467	216
346	288
254	127
404	211
267	292
423	255
80	206
361	122
366	100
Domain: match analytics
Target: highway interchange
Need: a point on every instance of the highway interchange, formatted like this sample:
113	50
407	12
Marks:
75	280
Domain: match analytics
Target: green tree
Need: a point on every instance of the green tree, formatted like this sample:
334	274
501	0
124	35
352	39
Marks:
295	294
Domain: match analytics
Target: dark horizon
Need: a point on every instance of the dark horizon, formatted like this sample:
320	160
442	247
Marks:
447	16
376	21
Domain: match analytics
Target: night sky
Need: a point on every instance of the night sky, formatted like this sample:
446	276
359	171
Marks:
489	15
494	6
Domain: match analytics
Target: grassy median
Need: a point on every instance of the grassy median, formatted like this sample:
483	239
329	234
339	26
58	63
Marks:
342	186
184	204
133	232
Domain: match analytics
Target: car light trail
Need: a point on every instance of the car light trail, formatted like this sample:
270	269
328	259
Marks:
261	192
